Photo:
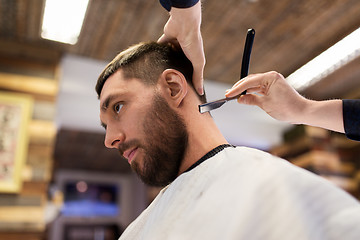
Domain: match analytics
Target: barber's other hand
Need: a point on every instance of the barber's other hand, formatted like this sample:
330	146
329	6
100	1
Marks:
273	94
183	28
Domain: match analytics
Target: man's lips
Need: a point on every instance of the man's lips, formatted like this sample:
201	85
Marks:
129	154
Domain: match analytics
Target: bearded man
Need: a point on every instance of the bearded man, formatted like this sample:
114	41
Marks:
212	190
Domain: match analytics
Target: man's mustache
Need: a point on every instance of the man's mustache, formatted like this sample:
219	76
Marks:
127	145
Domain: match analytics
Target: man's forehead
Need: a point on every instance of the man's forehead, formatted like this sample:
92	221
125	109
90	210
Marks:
116	79
117	85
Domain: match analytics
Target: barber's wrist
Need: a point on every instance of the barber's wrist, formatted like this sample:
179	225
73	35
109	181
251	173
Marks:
187	20
301	111
191	13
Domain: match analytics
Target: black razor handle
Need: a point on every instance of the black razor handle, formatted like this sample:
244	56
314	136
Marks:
246	54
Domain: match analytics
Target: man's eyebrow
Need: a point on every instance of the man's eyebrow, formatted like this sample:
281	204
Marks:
107	101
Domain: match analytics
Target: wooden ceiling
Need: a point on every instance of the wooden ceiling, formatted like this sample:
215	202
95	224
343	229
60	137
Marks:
289	33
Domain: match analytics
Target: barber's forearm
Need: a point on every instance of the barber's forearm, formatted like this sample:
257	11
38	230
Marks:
325	114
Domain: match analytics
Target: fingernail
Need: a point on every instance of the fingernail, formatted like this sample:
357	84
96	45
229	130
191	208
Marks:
201	91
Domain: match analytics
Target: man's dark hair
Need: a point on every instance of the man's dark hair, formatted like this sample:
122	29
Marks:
146	61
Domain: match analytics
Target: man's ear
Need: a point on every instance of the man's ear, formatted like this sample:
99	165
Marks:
175	85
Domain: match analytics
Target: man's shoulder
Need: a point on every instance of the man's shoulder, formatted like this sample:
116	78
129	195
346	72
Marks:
246	157
236	165
257	167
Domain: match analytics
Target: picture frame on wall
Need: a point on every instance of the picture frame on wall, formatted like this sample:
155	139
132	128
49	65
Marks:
15	115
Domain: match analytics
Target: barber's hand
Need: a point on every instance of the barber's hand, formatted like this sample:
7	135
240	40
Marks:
183	28
273	94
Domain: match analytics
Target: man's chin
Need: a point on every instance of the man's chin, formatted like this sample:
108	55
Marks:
151	180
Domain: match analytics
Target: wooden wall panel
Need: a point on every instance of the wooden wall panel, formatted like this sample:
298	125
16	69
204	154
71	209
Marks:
40	88
288	33
22	215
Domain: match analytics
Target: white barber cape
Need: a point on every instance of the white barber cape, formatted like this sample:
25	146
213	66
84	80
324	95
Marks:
243	193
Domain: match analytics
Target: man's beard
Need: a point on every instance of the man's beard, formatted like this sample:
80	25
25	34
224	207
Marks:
164	144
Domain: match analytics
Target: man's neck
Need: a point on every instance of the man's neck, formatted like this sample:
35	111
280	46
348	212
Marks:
204	136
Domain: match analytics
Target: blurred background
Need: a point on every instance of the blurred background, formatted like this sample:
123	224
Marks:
58	181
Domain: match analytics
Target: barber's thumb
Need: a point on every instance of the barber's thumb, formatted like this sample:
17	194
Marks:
248	99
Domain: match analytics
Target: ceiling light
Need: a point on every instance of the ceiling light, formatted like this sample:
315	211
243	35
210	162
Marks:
327	62
63	20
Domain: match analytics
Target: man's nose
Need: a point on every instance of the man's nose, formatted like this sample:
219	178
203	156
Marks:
113	138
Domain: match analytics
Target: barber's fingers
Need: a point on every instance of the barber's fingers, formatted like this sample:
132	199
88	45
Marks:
194	51
250	99
198	79
253	90
197	57
249	82
260	80
167	39
163	39
254	79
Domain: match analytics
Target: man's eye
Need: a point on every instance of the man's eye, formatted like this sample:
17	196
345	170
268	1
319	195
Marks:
117	107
